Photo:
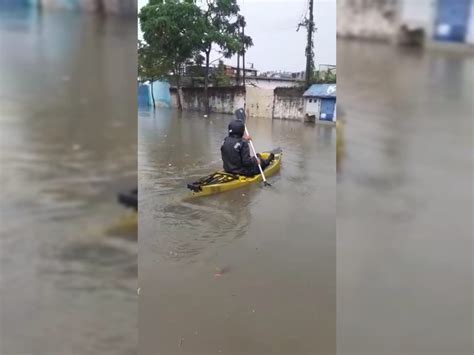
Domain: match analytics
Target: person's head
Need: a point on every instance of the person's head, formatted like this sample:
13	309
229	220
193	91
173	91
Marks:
236	128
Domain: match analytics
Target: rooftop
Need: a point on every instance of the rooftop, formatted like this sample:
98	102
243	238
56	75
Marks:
321	90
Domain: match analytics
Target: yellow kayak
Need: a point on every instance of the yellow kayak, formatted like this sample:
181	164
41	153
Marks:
220	181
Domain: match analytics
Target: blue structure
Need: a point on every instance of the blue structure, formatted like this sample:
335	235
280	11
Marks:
320	101
452	20
143	95
161	92
18	3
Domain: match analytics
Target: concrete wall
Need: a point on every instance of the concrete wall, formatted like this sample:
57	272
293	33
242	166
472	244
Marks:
384	19
268	83
259	102
368	19
419	13
470	32
313	107
113	7
288	104
221	100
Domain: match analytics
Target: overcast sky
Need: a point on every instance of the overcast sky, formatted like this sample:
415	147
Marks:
277	46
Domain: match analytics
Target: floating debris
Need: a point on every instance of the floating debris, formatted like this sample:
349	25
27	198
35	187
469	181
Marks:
221	271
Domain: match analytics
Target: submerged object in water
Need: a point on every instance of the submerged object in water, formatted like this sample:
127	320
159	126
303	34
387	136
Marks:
129	199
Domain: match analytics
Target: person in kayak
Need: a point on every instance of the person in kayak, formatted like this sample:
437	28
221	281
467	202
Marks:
235	152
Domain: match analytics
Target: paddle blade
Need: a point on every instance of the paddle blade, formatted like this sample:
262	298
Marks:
240	114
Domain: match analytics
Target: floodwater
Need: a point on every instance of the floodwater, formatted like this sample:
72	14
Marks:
404	201
250	271
68	145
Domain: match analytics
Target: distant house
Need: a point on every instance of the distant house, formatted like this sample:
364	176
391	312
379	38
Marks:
232	71
320	102
420	22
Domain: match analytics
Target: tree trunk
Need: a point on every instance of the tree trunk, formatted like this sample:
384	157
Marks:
178	87
206	84
152	93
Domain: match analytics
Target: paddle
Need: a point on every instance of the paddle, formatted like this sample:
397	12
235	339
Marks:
240	115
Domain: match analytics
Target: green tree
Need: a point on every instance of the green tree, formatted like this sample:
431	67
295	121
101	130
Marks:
173	29
220	77
219	30
151	67
245	42
323	77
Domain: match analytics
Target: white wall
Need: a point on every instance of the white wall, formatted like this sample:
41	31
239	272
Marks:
470	33
418	13
422	13
269	84
313	107
259	102
127	7
367	18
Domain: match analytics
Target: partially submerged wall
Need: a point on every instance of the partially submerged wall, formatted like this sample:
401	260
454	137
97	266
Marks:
259	102
288	103
280	103
161	92
114	7
368	19
143	95
221	100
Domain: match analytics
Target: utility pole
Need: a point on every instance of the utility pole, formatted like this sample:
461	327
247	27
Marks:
243	53
238	69
309	24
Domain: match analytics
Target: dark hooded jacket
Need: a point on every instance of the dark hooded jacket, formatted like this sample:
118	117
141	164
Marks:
235	151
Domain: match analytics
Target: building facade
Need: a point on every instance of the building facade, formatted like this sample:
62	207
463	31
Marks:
113	7
441	20
433	21
320	102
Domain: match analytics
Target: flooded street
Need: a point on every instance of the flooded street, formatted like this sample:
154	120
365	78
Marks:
404	201
68	145
250	271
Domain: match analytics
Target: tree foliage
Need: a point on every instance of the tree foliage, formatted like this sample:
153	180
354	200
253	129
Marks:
179	32
151	66
323	77
173	31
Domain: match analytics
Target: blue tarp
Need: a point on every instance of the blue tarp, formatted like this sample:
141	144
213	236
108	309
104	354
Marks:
161	90
321	90
143	95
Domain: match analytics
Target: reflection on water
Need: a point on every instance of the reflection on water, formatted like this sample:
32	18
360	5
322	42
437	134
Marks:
404	201
68	143
247	271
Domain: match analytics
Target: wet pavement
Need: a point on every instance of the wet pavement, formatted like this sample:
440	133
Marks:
68	145
404	201
251	271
